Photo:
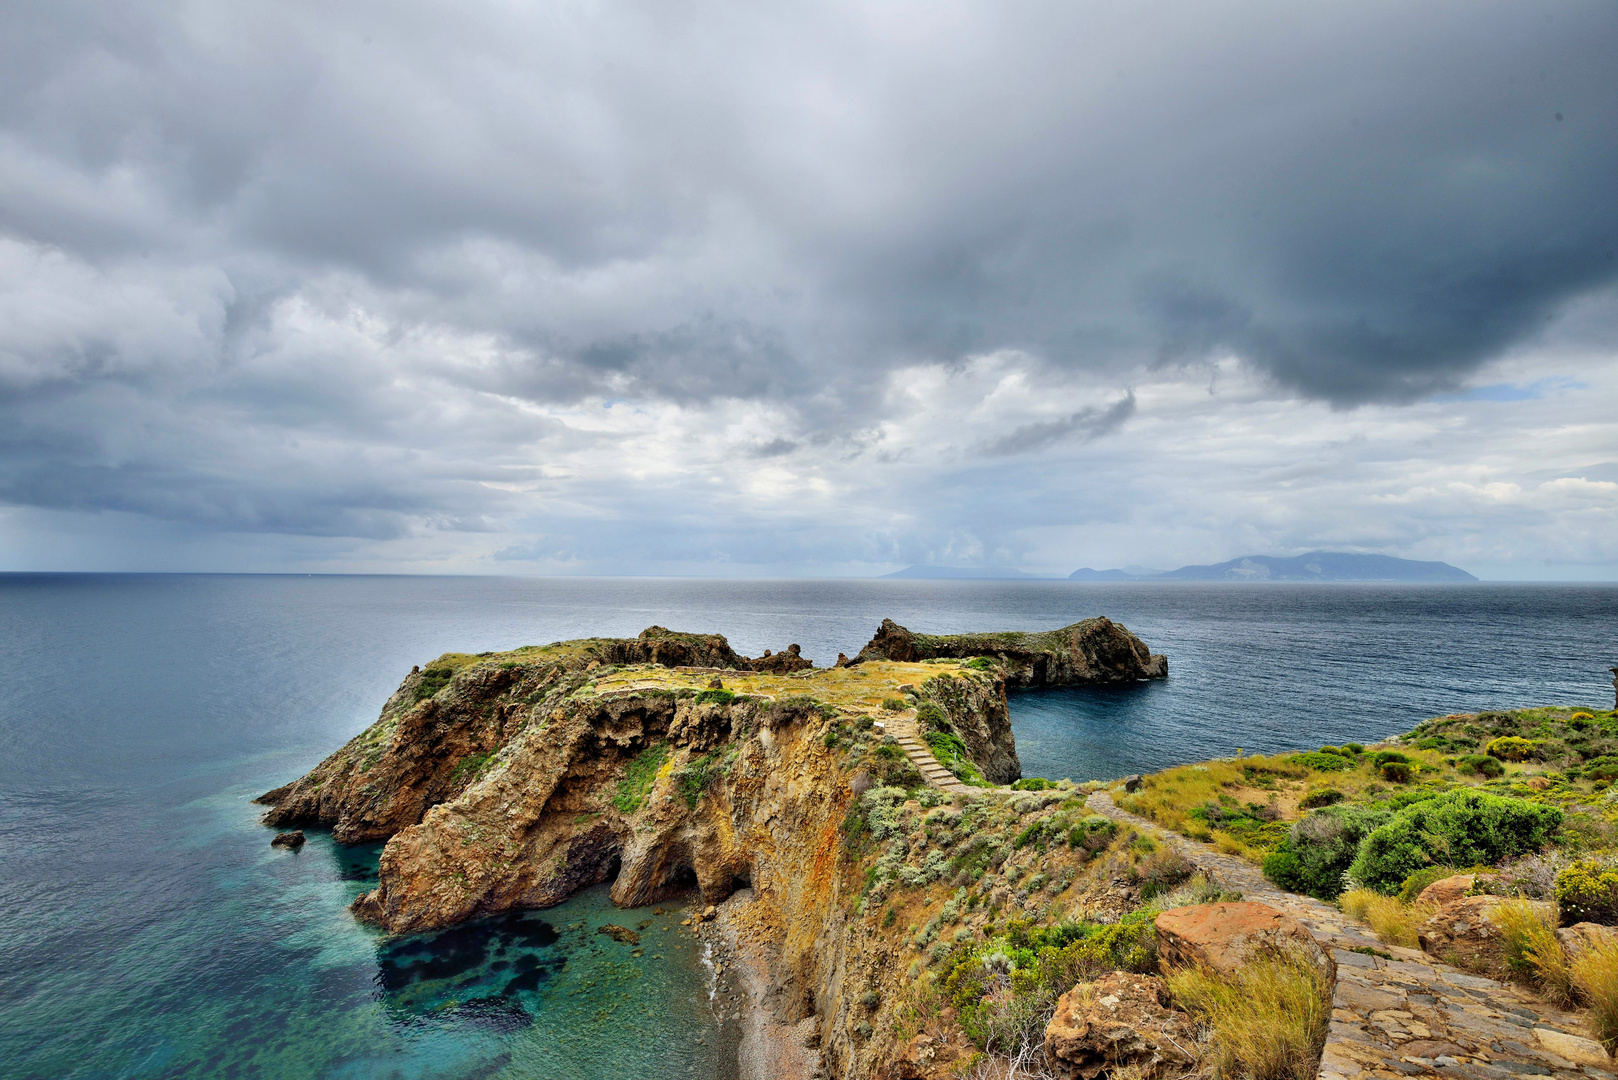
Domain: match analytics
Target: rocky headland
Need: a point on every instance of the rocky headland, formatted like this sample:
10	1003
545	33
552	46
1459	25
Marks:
668	764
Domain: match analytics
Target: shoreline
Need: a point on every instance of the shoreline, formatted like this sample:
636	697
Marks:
766	1047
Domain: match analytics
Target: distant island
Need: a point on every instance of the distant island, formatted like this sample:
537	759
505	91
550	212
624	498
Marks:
1314	566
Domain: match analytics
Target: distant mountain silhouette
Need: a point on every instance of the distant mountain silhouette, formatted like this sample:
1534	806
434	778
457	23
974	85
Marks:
1315	566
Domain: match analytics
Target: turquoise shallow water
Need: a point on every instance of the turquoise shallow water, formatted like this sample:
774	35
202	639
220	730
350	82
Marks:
250	966
147	929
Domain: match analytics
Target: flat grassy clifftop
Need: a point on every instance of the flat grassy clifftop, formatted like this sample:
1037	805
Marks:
859	689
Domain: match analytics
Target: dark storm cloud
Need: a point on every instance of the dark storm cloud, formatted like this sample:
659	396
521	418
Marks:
400	231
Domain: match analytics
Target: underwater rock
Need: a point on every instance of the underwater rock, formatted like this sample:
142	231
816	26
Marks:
623	935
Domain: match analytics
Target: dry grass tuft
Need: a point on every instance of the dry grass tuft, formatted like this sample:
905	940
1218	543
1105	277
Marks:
1532	951
1356	902
1268	1022
1390	920
1595	975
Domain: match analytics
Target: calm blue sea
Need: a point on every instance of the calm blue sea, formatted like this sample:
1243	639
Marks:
147	930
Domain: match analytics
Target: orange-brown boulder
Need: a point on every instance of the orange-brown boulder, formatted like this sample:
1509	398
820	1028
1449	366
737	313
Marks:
1447	890
1119	1020
1223	937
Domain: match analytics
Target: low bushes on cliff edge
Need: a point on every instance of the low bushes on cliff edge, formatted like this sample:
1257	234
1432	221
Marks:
1004	990
1320	847
1460	828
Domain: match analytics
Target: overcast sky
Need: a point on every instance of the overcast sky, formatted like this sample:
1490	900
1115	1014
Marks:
820	288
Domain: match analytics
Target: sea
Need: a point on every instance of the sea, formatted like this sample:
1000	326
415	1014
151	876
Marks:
147	928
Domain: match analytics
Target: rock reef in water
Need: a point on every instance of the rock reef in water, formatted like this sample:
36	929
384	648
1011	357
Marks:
513	780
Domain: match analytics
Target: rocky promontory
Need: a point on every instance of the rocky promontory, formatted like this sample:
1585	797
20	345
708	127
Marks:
668	764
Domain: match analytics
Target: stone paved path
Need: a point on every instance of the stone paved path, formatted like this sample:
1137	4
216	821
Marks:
1411	1015
902	726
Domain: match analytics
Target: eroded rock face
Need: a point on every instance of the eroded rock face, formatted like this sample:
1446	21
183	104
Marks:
1225	936
1093	651
1120	1020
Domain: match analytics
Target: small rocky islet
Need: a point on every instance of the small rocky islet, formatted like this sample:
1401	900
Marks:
891	899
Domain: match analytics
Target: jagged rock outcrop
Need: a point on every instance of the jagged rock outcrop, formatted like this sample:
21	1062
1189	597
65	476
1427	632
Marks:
1120	1021
1093	651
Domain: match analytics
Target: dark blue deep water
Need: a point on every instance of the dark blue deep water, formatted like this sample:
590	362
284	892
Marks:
147	930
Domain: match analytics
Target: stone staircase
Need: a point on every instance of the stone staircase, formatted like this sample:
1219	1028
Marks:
903	728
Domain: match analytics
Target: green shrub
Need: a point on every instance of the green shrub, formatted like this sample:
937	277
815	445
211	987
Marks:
1313	855
639	777
1587	891
1604	767
717	696
470	765
1322	762
933	718
1092	834
893	704
1511	748
1459	828
1004	991
980	663
1354	748
694	777
1483	765
1032	783
1318	797
432	681
1396	772
951	753
1383	757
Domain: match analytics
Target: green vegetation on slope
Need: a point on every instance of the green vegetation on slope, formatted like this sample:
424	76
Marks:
1456	791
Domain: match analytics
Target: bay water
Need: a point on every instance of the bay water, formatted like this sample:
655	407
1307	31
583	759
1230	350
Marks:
148	930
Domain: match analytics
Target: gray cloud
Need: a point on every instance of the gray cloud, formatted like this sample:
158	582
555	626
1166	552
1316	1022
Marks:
1084	425
385	270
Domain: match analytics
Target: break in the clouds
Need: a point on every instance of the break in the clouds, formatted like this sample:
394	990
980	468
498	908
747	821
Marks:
806	288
